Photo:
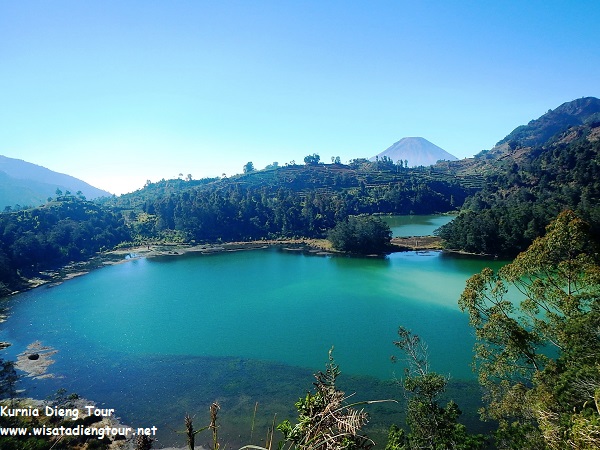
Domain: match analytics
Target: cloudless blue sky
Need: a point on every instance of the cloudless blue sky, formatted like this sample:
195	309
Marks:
118	92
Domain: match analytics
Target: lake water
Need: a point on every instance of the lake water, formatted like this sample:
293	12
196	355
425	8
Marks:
156	338
425	225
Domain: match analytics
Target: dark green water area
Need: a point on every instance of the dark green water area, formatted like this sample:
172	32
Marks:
158	338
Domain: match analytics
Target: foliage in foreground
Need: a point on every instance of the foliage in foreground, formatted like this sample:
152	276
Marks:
325	420
431	426
537	324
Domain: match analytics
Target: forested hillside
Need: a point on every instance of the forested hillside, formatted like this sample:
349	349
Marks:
528	186
289	201
70	229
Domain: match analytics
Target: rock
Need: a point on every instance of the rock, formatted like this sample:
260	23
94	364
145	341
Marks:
36	360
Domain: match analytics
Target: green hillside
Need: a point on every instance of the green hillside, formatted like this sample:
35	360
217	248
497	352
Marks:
289	201
530	177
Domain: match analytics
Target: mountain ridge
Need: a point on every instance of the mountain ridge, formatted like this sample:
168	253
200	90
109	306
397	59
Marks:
581	111
531	176
25	183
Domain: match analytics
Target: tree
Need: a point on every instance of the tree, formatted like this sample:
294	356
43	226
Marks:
384	163
431	426
312	160
537	354
8	380
362	234
248	167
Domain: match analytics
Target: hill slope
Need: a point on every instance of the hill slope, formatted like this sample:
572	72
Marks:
23	183
289	201
577	112
531	176
417	151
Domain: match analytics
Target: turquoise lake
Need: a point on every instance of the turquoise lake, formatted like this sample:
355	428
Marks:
424	225
156	338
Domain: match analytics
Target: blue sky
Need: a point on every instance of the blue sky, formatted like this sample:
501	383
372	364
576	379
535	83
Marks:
119	92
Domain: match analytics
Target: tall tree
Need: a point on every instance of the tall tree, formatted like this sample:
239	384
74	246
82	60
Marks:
312	159
537	325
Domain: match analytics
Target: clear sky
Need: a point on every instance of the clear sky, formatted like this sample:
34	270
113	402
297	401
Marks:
120	92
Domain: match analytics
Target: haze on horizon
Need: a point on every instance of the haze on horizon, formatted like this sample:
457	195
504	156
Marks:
117	93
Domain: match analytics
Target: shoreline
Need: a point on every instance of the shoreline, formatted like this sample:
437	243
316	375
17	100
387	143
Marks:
321	247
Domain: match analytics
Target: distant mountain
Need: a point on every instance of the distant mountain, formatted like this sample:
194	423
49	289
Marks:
27	184
417	151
